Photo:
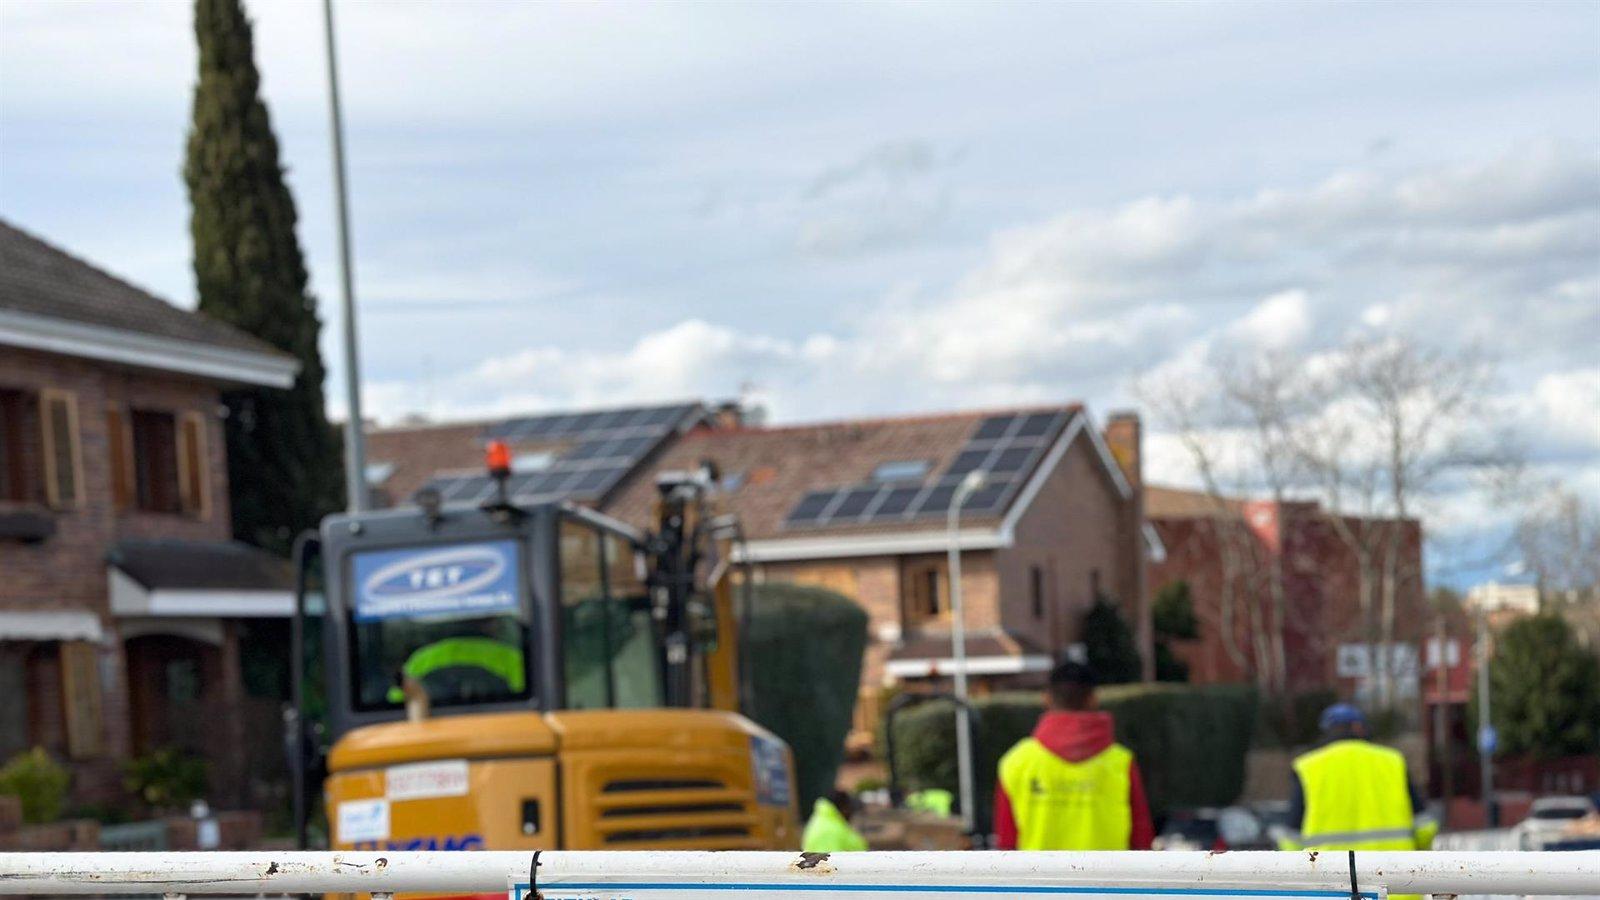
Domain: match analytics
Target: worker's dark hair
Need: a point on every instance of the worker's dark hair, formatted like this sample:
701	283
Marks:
843	800
1071	686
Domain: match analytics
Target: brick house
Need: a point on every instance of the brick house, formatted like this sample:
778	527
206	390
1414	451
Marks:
1224	549
860	507
125	608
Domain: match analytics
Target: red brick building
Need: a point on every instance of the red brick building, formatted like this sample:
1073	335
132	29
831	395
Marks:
123	603
1226	549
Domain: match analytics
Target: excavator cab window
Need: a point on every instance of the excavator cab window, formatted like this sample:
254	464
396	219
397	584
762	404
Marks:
448	622
610	647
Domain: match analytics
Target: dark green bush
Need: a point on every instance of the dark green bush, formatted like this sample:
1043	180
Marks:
1108	641
803	648
166	780
1190	741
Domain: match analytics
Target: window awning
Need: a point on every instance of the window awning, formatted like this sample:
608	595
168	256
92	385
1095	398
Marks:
51	625
204	579
130	598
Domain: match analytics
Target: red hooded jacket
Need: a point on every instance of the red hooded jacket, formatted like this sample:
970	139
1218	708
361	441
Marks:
1076	736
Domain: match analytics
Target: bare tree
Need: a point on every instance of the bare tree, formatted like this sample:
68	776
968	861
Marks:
1374	429
1559	542
1558	539
1196	408
1412	418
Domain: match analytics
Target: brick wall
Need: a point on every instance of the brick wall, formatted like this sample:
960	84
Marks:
1322	588
1072	531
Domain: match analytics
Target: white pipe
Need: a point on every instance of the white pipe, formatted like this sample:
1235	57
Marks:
1528	873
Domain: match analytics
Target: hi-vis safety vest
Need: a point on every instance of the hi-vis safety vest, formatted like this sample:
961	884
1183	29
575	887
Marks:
1357	799
1061	805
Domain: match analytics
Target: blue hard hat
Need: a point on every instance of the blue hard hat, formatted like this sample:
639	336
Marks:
1340	715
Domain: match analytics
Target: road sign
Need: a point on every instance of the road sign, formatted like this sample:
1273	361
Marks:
1488	739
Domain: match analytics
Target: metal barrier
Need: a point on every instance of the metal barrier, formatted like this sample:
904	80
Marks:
556	875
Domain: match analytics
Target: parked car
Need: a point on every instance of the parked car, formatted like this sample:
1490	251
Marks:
1230	828
1548	818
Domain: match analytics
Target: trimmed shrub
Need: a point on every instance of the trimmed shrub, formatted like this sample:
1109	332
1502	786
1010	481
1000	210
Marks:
39	782
803	649
166	780
1190	741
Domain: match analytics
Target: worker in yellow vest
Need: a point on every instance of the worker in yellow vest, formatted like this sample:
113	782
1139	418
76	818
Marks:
1070	786
828	830
1351	794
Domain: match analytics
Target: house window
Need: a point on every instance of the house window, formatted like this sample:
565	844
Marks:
155	461
162	461
901	470
1036	583
925	592
18	483
63	465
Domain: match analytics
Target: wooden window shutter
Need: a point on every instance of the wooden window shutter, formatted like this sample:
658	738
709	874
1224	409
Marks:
63	467
119	444
192	469
80	694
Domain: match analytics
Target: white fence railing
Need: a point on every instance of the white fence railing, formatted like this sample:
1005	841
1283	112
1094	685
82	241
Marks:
647	874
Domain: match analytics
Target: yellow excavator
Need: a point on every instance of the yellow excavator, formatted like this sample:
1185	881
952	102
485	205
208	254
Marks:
502	676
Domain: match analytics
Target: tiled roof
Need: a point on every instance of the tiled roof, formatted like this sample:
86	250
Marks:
772	469
417	453
37	278
587	452
1176	503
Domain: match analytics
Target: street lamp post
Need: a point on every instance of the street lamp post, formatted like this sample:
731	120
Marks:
958	649
355	441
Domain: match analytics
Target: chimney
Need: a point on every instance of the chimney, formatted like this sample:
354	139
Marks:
727	415
1125	437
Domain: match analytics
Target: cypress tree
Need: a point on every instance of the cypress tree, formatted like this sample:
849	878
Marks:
283	456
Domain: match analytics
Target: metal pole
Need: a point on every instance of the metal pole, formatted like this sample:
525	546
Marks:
1485	720
958	653
355	441
1441	721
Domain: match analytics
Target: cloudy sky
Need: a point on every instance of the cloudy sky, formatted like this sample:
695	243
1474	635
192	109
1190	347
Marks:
873	208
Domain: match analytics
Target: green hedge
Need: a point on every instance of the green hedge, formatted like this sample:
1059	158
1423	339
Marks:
803	649
1190	741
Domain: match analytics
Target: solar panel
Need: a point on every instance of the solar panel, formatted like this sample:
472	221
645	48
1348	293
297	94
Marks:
810	506
1010	459
966	461
602	447
896	502
855	503
1006	447
935	500
987	499
993	427
1036	425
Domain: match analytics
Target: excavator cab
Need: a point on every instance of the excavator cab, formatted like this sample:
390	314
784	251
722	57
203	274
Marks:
504	676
